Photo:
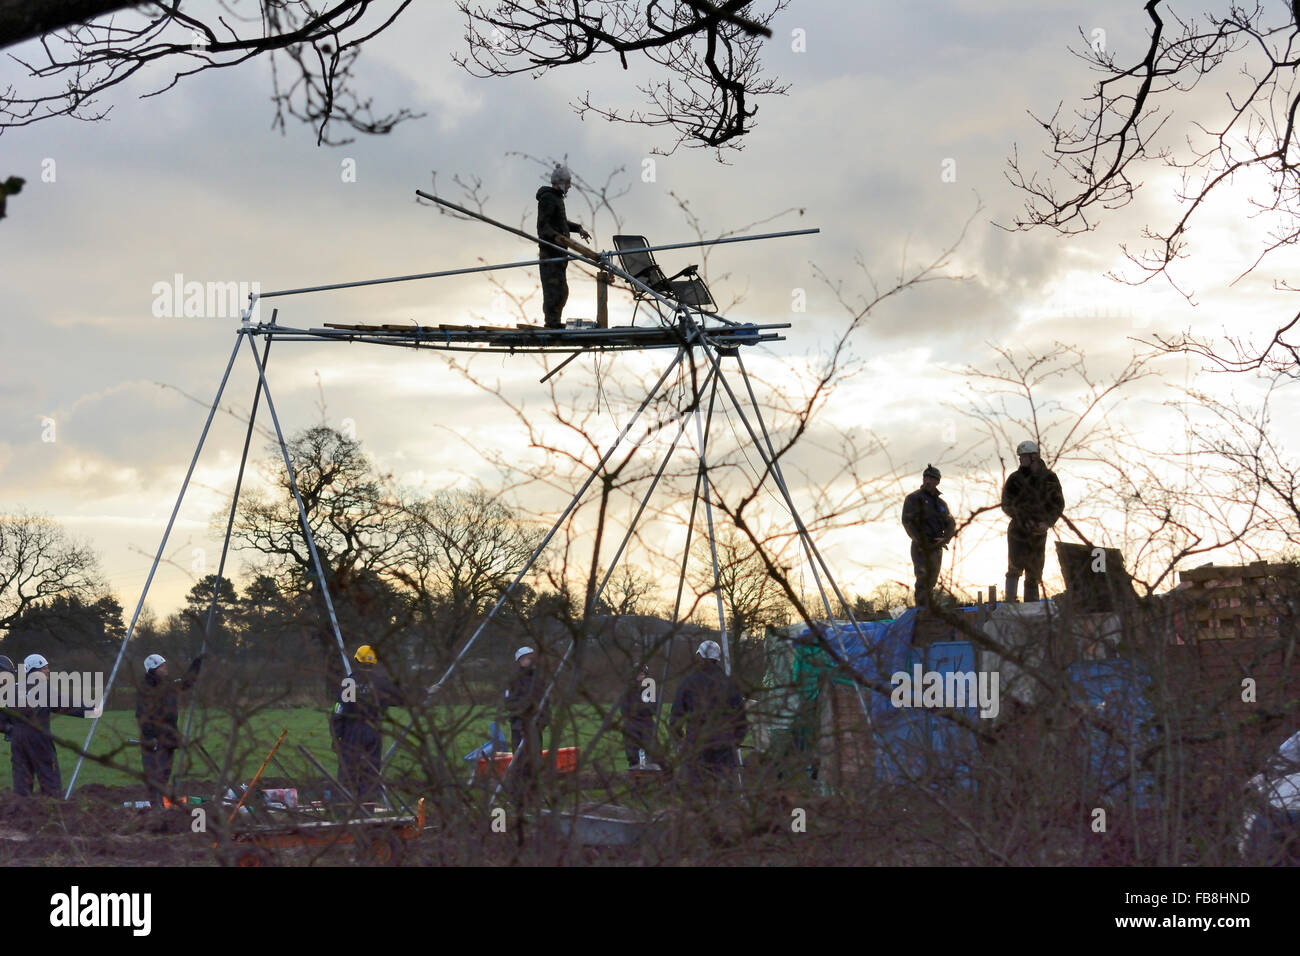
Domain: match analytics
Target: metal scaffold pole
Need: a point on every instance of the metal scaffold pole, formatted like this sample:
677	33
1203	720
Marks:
302	511
681	327
153	568
537	552
221	564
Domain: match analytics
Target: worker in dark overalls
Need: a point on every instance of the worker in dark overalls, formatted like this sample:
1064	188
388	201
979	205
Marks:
157	709
639	704
31	743
553	226
355	725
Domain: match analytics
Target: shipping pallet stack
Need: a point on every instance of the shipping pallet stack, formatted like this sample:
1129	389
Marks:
1239	602
1231	653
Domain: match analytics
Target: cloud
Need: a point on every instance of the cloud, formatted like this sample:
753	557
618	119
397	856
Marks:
195	182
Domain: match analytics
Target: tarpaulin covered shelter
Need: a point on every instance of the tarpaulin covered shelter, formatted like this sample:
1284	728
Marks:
813	706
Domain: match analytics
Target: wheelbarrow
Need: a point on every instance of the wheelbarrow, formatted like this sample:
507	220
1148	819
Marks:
378	839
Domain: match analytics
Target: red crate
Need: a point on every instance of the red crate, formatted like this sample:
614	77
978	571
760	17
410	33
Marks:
566	761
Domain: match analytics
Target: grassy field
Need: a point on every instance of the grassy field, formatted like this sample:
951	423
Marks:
460	729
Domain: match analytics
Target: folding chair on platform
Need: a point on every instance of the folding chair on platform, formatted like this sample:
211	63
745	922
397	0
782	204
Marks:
685	288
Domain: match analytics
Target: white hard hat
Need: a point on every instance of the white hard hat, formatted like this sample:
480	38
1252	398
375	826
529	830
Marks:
522	651
561	174
153	661
1026	448
34	662
709	650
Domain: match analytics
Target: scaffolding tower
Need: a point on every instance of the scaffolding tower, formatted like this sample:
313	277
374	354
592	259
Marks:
700	343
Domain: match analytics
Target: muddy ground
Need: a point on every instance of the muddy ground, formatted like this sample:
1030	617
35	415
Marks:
94	829
770	827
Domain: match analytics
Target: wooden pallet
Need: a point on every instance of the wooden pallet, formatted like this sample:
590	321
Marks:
1230	602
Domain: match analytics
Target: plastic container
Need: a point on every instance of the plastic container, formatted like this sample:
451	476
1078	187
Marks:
496	766
566	761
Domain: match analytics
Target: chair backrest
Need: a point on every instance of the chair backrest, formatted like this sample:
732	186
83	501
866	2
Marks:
642	265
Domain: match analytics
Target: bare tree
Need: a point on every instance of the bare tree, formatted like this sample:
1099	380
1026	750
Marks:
462	549
39	561
1099	153
357	526
752	599
628	592
709	55
313	55
710	52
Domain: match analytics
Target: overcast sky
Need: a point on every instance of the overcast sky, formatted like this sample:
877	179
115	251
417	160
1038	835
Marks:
883	99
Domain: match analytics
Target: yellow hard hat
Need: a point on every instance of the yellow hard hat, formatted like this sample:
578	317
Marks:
365	655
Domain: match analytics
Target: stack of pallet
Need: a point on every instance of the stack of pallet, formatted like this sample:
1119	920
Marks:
1232	673
1238	602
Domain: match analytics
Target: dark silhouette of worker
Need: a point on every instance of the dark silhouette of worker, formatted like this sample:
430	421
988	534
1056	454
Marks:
709	718
529	713
638	706
157	709
553	225
930	525
31	742
1033	500
355	723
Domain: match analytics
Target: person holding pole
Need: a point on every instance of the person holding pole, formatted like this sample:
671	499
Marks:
354	724
553	225
157	706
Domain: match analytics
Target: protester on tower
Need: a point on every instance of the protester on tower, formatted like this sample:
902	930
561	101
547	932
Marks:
553	225
930	525
1033	500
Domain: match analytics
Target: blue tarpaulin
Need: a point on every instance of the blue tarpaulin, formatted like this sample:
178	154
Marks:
921	742
1116	692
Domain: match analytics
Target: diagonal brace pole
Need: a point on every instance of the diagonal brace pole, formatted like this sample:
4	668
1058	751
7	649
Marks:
221	564
537	552
302	510
130	631
645	499
767	452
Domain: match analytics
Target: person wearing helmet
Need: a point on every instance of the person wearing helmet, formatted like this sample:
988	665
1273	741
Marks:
355	725
529	713
709	719
31	751
930	525
1032	498
553	225
157	709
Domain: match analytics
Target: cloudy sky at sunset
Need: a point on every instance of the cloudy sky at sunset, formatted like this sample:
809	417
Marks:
883	99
